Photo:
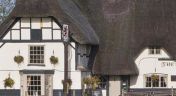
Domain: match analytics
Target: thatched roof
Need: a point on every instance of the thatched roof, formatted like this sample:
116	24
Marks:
126	27
64	11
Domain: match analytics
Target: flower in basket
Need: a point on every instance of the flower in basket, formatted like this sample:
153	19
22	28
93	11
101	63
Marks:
54	60
155	77
18	59
9	82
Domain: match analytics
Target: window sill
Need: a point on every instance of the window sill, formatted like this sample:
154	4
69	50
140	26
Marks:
36	64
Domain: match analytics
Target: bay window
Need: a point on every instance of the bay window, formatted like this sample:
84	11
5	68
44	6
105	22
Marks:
155	80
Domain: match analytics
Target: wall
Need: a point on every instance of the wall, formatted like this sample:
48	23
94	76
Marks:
149	63
9	50
50	31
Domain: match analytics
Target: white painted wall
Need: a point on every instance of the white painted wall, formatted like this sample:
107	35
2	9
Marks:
16	26
149	63
9	50
25	34
46	34
15	34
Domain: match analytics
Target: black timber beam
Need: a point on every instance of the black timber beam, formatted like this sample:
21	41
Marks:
2	45
28	41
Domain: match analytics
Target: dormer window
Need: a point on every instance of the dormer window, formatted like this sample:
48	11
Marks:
154	50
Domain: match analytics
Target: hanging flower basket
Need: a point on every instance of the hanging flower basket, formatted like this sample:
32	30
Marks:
54	60
9	82
18	59
155	77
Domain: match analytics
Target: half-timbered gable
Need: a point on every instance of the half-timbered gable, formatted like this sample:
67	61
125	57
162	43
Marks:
34	29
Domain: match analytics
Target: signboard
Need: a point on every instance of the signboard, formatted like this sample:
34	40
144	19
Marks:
168	64
65	33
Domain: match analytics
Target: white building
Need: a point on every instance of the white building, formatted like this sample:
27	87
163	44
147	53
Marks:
154	62
35	31
36	65
130	44
157	74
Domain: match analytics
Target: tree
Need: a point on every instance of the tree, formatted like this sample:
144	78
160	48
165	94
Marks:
6	7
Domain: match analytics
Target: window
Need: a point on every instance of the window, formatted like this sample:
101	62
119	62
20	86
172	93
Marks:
163	81
36	55
155	80
173	77
33	85
154	50
148	81
36	34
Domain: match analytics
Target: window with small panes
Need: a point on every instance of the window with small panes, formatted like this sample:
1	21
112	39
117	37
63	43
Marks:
157	80
36	55
33	85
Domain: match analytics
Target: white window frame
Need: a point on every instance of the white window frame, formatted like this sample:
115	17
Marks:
42	78
30	85
160	76
30	55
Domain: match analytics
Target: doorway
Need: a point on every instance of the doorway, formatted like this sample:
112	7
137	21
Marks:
34	86
36	82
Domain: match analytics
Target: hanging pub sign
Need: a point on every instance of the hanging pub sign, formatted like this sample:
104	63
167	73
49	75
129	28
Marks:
65	33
